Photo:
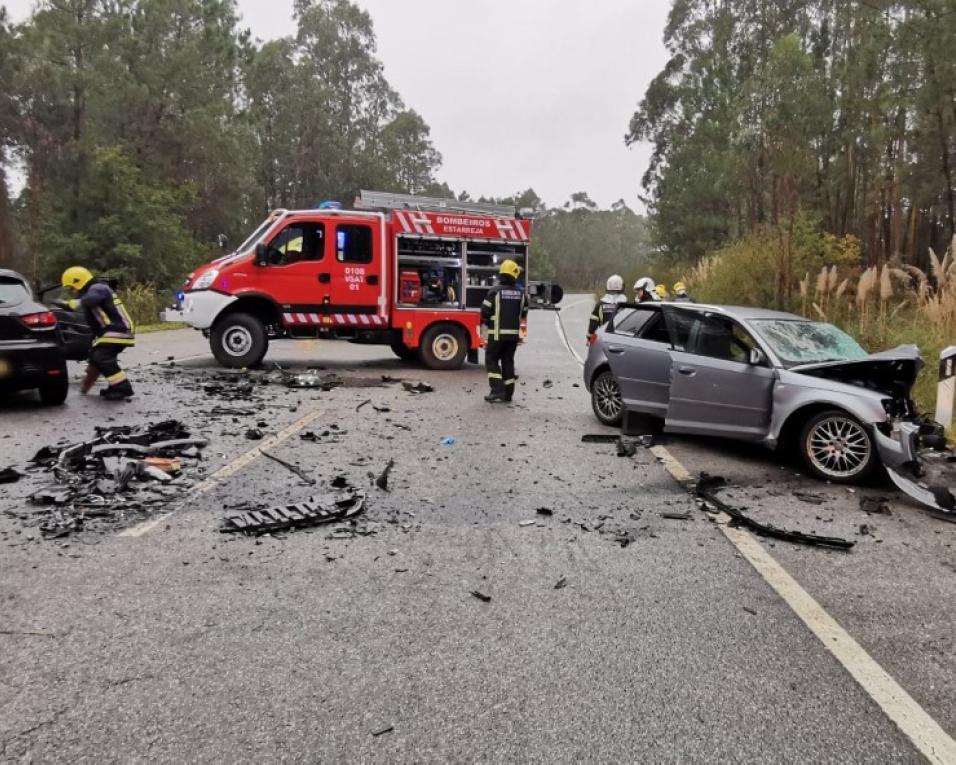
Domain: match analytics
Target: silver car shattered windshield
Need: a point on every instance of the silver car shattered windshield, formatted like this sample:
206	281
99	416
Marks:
807	342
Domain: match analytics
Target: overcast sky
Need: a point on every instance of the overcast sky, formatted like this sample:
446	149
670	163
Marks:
518	93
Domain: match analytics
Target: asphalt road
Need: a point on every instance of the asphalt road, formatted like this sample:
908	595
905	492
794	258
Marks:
184	644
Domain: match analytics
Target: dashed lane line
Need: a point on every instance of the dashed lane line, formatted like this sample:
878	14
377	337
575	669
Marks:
174	360
914	722
145	527
230	468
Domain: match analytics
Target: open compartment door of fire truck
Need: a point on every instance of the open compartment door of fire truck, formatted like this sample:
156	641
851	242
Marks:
429	273
482	261
445	257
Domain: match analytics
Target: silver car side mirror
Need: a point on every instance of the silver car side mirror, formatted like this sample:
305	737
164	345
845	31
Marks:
757	357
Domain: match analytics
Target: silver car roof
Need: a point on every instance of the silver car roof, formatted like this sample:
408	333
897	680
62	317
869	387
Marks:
740	312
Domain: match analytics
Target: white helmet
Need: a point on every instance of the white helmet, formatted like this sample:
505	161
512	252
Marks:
644	283
615	284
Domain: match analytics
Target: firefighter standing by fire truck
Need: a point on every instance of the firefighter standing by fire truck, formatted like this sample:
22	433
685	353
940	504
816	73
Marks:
504	308
113	332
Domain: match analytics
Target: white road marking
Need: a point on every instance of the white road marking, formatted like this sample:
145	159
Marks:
230	468
141	528
164	362
915	723
671	465
559	328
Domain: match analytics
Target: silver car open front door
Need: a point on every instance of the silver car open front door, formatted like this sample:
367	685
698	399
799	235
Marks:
637	349
719	386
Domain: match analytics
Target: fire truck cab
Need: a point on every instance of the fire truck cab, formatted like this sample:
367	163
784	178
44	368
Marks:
405	271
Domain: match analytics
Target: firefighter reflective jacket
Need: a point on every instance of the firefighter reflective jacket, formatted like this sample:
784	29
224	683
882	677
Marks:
605	309
107	316
503	309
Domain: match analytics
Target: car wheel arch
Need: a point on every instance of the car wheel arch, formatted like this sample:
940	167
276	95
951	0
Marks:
790	430
259	306
604	367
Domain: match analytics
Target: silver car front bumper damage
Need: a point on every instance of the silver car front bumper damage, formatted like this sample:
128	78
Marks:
923	474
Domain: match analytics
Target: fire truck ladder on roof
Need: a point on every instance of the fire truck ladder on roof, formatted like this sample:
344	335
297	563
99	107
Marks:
385	200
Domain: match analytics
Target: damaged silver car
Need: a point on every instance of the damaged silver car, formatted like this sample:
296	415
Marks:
768	377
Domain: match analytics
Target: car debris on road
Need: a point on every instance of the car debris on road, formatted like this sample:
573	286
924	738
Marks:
334	507
112	477
927	477
10	475
644	441
382	480
707	488
419	387
289	466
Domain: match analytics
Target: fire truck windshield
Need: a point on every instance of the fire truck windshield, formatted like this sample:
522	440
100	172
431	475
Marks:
255	236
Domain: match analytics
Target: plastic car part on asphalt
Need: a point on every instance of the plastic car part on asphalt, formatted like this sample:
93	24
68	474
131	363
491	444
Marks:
316	510
707	488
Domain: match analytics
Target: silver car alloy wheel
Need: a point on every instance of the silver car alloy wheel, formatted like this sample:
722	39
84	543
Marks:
237	341
607	396
445	346
838	447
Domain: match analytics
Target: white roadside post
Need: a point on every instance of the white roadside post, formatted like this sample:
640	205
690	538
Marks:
946	387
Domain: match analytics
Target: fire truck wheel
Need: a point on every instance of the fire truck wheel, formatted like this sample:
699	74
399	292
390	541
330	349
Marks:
239	340
444	346
403	351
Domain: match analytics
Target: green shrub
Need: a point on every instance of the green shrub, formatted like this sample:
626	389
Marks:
143	302
766	267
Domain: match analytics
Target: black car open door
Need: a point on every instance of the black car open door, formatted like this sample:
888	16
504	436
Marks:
75	333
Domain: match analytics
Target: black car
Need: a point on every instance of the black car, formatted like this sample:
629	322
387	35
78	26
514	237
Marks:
33	345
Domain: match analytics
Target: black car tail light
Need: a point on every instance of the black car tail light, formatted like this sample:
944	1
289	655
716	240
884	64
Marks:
42	320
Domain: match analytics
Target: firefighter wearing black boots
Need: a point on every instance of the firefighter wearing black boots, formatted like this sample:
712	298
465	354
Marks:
504	308
112	328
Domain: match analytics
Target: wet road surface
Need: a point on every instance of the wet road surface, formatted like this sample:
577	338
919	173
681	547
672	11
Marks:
182	643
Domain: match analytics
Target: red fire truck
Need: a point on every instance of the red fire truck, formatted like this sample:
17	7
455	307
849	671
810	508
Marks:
405	271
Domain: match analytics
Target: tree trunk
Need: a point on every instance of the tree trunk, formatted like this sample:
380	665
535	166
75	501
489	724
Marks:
7	252
947	174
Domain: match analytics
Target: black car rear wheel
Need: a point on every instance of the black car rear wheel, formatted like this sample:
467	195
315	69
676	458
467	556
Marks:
606	399
53	392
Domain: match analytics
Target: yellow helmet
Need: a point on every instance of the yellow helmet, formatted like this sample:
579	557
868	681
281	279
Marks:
76	277
661	291
680	287
510	268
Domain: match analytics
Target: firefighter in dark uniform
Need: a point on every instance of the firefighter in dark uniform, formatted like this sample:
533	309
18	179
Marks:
504	308
112	329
